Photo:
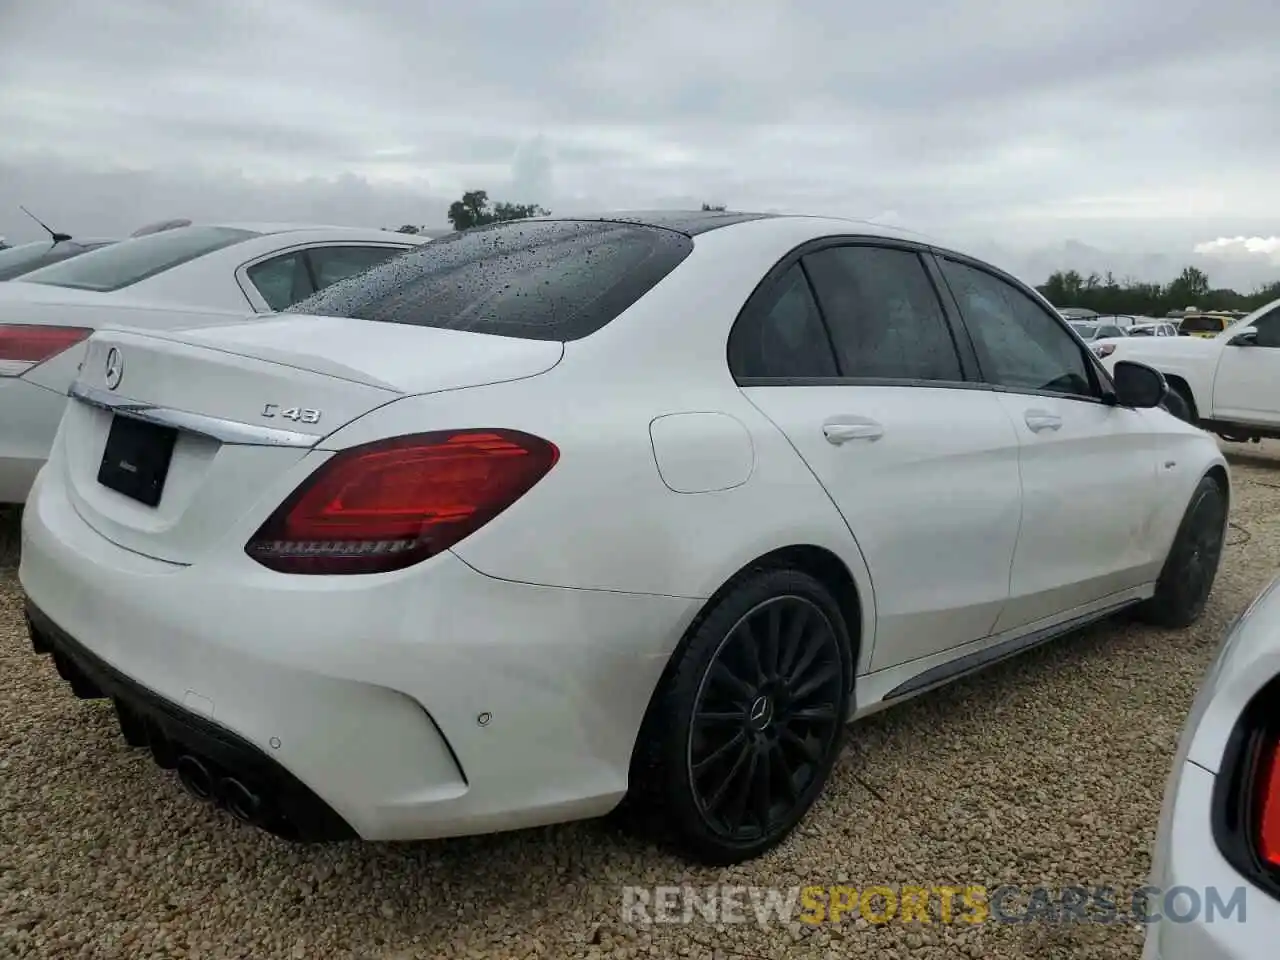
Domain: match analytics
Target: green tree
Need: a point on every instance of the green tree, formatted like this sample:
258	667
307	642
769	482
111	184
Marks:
473	210
1191	286
711	207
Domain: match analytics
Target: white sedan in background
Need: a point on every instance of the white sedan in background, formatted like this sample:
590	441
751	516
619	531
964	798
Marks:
46	315
551	511
1219	831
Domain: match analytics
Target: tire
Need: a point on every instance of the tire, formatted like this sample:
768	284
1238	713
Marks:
1178	403
1192	564
748	720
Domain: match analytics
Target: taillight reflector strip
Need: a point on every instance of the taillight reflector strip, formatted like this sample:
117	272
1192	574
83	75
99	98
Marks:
23	345
386	505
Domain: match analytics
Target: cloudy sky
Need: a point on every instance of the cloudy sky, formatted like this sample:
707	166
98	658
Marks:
1139	135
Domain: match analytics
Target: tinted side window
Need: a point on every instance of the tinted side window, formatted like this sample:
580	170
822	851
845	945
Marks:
884	314
331	264
535	279
132	261
1268	327
1019	345
282	280
780	333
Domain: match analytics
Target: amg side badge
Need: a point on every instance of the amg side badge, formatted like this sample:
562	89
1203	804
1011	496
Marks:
300	414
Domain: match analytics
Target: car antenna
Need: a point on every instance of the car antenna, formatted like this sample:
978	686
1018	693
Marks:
57	237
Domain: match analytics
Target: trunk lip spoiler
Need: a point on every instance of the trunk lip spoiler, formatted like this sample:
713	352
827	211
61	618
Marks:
218	428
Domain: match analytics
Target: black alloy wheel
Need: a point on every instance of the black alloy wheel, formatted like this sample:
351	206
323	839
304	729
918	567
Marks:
747	723
765	717
1192	565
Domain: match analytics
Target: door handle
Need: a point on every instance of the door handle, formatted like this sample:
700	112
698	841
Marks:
843	429
1039	420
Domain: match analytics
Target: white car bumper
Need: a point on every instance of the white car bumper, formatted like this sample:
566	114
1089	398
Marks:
1187	857
29	416
430	702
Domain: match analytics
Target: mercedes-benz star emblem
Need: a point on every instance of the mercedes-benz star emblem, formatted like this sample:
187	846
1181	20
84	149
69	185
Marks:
115	368
760	713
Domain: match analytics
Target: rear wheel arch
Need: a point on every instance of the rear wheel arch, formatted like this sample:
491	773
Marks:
819	563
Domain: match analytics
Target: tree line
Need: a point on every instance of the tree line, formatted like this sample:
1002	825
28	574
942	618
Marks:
1105	294
474	210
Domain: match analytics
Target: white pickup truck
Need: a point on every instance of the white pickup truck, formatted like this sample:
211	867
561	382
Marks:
1230	383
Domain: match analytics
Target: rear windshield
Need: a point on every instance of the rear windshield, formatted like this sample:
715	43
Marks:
16	261
536	280
131	261
1203	325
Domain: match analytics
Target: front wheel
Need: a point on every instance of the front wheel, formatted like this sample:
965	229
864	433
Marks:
748	723
1192	564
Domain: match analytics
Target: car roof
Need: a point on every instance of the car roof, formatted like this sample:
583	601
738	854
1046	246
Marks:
265	229
691	223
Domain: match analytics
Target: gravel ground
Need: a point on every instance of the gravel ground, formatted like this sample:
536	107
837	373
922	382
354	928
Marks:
1045	770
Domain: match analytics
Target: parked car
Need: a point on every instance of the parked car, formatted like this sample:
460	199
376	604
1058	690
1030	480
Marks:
26	257
1091	330
1229	382
552	512
46	315
1154	328
1219	828
1206	325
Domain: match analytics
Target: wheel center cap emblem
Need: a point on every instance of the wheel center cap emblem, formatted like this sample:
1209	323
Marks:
115	368
761	713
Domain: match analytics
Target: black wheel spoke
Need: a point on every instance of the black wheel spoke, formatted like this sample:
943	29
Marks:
823	713
815	683
717	717
801	745
813	648
720	752
799	621
785	773
749	640
762	790
728	680
737	808
772	645
744	753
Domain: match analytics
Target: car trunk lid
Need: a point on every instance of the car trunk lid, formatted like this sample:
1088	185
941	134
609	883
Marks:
213	416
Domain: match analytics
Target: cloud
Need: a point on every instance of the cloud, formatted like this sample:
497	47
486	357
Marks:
989	122
1246	249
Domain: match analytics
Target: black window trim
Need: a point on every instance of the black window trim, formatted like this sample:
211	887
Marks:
1101	380
965	354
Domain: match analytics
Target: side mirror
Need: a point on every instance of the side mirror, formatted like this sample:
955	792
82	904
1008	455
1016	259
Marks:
1245	338
1138	385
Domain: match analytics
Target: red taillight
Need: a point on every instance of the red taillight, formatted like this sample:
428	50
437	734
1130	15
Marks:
1268	805
22	345
386	505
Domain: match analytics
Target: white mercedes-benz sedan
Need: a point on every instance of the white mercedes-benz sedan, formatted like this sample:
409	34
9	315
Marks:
1215	871
47	314
554	512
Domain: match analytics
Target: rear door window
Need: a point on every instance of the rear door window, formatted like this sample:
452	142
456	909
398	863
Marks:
537	280
131	261
885	318
282	280
780	334
331	264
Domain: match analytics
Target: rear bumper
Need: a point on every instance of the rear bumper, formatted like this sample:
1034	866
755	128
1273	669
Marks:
1241	923
433	701
238	775
30	420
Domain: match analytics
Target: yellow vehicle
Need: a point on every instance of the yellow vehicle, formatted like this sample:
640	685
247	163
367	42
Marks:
1204	324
